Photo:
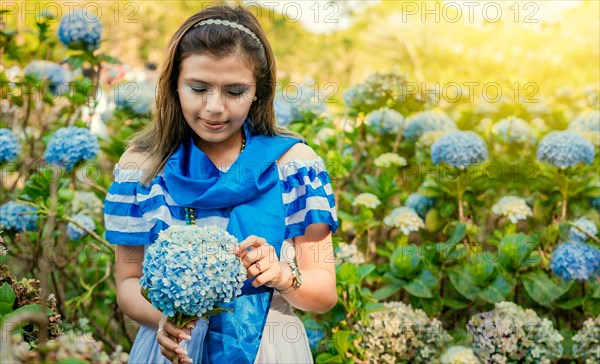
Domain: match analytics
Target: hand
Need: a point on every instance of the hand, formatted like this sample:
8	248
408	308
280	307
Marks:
260	260
168	337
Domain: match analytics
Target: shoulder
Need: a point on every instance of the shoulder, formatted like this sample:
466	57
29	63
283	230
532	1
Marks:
134	160
299	151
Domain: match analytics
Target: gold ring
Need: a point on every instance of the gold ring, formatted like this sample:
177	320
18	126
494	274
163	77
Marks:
159	330
258	266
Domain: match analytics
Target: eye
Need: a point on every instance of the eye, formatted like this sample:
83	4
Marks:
197	89
237	92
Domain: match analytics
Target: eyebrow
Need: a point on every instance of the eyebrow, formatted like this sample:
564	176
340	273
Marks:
234	84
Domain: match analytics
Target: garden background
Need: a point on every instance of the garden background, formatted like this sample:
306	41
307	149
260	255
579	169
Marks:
462	141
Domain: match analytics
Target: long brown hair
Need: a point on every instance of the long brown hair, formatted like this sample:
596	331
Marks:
169	129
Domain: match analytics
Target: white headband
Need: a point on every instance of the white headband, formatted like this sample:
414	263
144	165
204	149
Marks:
229	24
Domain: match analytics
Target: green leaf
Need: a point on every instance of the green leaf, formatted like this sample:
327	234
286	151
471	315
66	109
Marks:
458	233
347	273
496	291
422	285
454	304
387	291
374	306
570	304
7	299
326	358
463	282
404	261
594	289
542	289
342	340
365	270
591	306
33	309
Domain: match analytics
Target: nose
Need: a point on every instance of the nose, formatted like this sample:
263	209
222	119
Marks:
215	102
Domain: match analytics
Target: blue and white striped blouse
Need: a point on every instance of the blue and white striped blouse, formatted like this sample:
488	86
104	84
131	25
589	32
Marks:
134	214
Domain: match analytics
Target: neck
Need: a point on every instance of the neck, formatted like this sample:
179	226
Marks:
224	152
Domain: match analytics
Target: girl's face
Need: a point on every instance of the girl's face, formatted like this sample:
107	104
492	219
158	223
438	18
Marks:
215	96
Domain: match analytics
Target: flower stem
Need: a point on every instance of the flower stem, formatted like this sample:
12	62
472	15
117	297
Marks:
565	193
460	190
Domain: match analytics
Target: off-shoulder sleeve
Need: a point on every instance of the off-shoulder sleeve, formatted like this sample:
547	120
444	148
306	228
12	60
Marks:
133	213
307	196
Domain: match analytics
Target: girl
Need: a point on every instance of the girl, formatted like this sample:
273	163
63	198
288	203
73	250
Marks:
213	155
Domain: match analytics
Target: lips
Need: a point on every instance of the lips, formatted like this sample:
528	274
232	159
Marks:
213	125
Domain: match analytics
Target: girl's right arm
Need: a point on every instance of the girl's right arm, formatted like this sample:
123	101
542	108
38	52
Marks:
129	296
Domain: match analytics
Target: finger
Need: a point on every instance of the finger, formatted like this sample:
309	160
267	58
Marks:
257	268
263	278
256	254
249	242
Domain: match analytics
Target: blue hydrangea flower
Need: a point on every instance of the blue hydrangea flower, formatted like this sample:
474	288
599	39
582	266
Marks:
9	145
460	149
75	232
135	97
586	121
80	27
514	130
575	260
421	204
314	337
54	75
429	120
71	145
587	226
284	111
385	120
376	90
297	102
565	149
190	270
18	216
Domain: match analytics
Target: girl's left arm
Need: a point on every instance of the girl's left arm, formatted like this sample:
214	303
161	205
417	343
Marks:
314	254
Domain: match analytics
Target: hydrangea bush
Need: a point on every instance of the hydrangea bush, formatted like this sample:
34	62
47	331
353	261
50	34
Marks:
510	333
513	207
575	260
10	147
459	149
71	145
399	334
404	218
424	121
385	120
54	75
587	341
75	232
80	28
18	216
565	149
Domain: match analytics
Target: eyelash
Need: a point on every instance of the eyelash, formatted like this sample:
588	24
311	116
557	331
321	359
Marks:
200	90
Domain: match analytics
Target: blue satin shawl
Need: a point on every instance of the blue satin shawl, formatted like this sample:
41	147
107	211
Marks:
251	190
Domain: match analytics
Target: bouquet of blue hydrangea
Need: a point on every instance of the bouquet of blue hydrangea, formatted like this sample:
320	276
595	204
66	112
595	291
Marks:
190	271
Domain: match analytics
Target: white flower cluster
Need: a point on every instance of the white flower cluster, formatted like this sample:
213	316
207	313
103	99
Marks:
459	355
387	160
405	219
515	208
510	333
400	333
350	253
587	341
367	200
